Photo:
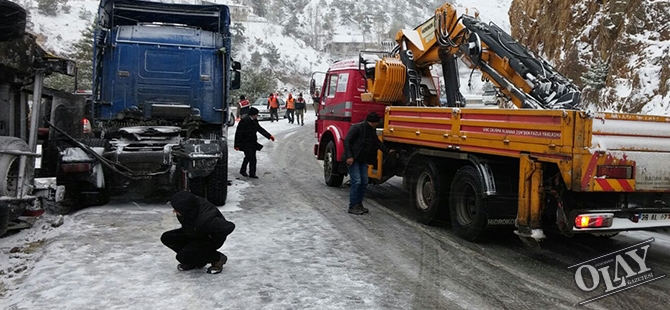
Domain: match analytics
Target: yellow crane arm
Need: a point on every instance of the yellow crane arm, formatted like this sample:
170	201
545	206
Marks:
403	77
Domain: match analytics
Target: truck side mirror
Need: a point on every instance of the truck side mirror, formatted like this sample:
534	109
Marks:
236	79
312	87
236	66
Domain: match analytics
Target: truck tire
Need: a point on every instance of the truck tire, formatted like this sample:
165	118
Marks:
9	171
9	164
217	181
428	192
12	21
4	217
332	177
468	208
197	186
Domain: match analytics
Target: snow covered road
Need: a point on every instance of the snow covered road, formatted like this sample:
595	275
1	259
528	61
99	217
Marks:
296	247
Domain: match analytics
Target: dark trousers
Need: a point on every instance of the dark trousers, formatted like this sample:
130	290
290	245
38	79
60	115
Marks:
195	251
273	111
290	114
250	159
358	173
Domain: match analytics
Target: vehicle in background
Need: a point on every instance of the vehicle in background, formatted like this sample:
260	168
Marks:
264	113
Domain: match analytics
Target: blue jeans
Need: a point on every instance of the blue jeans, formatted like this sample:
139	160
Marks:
358	172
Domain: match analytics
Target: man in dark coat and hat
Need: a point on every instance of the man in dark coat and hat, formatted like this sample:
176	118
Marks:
360	150
203	231
247	141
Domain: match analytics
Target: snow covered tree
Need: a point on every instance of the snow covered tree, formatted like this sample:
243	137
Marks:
256	60
272	54
291	25
85	14
47	7
237	30
259	7
82	53
256	82
596	76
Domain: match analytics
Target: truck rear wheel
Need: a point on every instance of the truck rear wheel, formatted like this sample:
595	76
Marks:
217	181
429	193
467	205
12	21
197	186
330	174
4	217
9	176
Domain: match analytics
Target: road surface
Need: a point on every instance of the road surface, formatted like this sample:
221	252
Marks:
296	247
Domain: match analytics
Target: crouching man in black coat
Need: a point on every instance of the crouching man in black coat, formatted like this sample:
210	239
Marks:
203	231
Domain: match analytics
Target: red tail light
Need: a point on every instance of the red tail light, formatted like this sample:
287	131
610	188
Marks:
86	125
76	167
594	220
615	172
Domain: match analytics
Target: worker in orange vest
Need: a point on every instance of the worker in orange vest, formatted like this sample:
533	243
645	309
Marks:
290	108
273	105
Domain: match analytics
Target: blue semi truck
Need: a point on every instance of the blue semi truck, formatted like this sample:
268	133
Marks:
159	108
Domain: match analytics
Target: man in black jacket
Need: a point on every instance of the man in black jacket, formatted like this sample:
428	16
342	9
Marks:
247	142
360	150
203	231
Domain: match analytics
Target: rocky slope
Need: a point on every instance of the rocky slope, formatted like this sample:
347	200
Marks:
630	37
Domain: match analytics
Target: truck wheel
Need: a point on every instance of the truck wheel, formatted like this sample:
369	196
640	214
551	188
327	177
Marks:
9	175
428	193
12	21
197	186
330	174
4	217
217	181
9	166
467	205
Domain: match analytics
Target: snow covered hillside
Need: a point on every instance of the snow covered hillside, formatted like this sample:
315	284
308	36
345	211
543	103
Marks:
297	59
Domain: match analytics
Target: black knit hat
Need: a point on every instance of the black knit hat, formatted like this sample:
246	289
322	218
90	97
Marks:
373	117
184	202
253	111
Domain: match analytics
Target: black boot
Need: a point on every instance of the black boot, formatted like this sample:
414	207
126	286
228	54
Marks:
186	267
365	210
217	266
356	209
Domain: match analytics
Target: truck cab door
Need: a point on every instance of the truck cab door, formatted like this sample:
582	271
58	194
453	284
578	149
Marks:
326	99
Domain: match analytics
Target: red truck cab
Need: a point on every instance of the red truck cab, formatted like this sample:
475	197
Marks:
338	106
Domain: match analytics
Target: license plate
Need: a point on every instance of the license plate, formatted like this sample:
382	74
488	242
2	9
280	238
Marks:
654	216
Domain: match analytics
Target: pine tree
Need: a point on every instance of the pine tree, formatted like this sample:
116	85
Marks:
256	84
259	7
596	76
237	30
83	55
272	54
47	7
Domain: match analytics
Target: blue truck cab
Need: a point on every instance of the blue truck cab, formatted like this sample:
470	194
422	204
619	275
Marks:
162	75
